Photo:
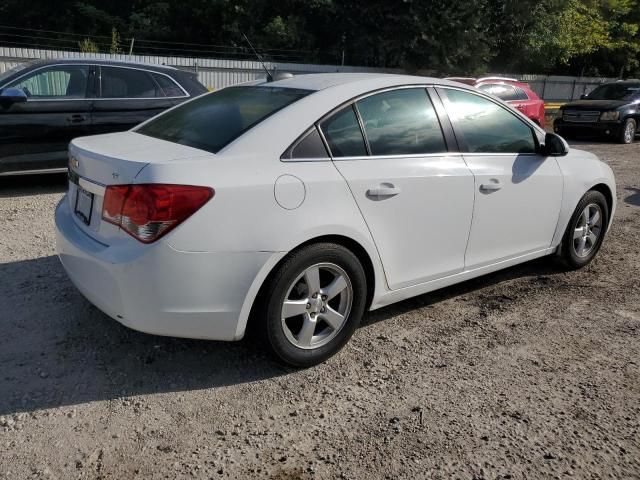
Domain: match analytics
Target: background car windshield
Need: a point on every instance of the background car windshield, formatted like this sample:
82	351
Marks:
11	71
213	121
504	92
614	91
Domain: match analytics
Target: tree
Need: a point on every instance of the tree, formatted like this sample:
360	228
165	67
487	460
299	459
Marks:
88	46
115	42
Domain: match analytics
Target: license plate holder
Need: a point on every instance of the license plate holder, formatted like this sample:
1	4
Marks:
84	205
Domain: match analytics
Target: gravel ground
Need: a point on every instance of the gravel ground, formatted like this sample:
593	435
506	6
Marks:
528	373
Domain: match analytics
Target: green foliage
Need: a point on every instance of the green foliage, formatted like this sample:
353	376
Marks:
115	42
600	37
88	46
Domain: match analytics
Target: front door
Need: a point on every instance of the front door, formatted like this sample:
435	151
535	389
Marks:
415	196
34	135
518	192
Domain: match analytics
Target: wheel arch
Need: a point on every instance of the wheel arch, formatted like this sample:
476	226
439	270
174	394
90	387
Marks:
608	195
247	315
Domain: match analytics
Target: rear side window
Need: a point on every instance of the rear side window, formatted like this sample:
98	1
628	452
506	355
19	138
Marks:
168	86
212	121
401	122
486	127
310	146
343	134
127	83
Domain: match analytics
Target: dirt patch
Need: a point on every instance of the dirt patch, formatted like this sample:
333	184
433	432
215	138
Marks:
527	373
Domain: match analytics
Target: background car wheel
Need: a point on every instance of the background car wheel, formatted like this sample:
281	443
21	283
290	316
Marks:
312	304
628	133
585	231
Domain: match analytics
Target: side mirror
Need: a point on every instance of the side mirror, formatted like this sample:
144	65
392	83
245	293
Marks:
583	96
554	146
9	96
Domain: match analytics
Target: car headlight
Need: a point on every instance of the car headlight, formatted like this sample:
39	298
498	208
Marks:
609	116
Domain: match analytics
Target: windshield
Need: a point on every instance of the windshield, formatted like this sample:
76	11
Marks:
213	121
6	74
615	91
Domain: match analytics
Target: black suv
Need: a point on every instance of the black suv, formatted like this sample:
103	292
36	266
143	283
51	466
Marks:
612	109
45	104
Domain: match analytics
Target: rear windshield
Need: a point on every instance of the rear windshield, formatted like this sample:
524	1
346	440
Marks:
213	121
615	91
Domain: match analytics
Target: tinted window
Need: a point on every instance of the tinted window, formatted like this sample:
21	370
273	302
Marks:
343	134
401	122
212	121
504	92
487	127
168	86
616	91
7	73
127	83
311	146
64	81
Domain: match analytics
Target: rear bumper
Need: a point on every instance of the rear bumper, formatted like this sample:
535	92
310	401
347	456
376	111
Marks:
155	288
609	129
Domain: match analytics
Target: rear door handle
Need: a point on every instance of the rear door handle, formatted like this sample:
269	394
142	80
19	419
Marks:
384	190
76	118
492	186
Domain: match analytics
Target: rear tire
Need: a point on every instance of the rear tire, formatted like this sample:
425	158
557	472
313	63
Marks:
312	304
585	231
628	131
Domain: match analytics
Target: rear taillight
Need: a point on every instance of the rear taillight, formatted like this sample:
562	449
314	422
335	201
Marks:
149	211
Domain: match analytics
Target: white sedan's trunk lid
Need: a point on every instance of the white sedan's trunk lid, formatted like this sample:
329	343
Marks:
113	159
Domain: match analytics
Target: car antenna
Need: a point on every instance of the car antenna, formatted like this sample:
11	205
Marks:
269	76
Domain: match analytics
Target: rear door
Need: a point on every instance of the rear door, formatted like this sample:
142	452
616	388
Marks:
34	135
518	192
128	96
416	196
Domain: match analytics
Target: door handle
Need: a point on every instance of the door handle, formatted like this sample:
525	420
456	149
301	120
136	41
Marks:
382	191
492	186
76	118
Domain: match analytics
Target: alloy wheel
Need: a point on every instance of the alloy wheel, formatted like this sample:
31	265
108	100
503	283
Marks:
629	132
587	230
317	306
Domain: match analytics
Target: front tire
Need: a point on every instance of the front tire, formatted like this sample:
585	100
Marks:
628	132
585	231
312	304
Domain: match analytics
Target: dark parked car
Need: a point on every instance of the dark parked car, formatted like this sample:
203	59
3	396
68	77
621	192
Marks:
45	104
612	109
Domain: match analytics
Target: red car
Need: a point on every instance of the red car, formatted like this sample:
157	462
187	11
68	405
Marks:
516	93
512	91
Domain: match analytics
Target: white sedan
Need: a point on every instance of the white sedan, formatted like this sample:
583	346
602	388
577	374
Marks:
289	208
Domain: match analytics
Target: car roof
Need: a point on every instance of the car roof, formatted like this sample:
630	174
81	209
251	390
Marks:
101	61
323	81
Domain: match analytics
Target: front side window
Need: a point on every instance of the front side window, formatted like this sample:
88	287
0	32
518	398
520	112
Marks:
486	127
118	82
59	82
343	134
212	121
401	122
